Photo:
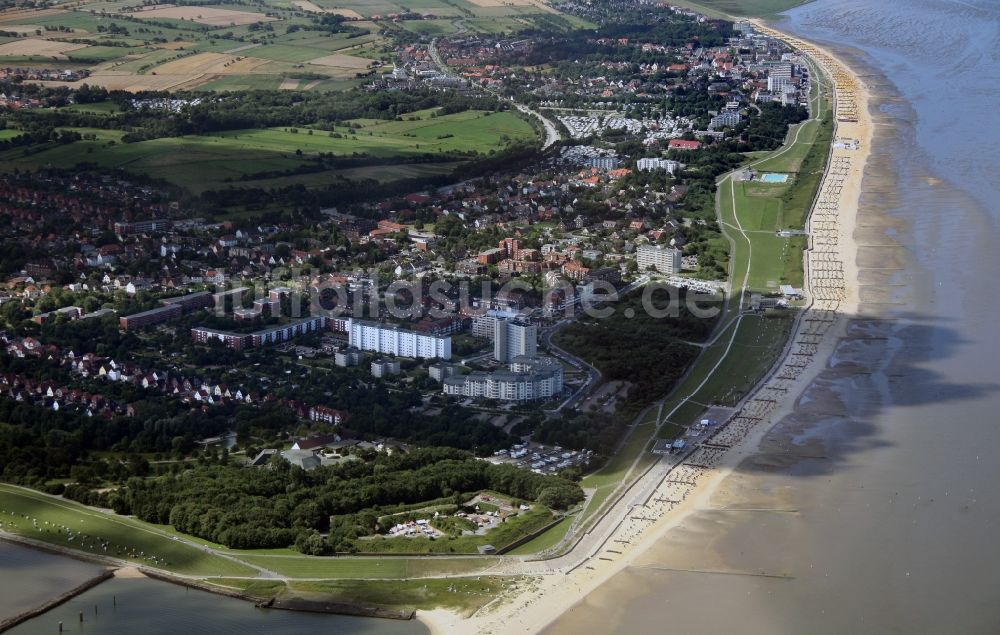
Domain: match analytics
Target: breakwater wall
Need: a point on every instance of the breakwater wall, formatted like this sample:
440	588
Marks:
11	622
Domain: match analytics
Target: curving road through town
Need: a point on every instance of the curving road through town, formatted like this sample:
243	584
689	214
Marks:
551	131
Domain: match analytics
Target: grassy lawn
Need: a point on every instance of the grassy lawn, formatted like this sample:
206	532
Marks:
617	470
759	341
684	415
127	536
257	588
545	541
141	50
287	52
463	595
97	54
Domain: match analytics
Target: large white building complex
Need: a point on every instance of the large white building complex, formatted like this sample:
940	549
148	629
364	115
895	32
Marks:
389	339
779	76
660	257
529	379
514	338
645	165
485	325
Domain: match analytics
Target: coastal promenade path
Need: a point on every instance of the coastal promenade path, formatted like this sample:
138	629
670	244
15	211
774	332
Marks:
706	367
641	503
661	498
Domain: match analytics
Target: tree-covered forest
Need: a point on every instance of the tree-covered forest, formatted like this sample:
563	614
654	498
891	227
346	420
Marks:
648	351
283	505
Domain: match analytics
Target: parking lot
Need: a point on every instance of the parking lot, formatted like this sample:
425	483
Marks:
542	459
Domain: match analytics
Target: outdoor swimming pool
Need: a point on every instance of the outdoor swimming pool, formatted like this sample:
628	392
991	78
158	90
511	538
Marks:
773	178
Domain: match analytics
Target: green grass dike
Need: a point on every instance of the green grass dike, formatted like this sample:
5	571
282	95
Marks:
67	525
464	595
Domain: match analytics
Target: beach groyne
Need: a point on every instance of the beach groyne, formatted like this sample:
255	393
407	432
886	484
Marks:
337	608
11	622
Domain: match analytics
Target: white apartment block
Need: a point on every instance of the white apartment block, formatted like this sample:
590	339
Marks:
648	164
484	326
393	340
384	367
529	379
660	257
776	84
725	119
347	357
513	338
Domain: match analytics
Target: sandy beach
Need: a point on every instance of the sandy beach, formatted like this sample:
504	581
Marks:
831	273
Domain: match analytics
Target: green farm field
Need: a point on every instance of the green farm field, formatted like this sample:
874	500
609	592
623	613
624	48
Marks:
123	43
200	163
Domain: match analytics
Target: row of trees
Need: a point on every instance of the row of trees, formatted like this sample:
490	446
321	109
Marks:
140	116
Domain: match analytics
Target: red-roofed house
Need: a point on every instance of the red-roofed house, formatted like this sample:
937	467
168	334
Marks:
683	144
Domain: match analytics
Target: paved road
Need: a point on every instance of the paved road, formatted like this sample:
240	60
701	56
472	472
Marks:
593	375
551	132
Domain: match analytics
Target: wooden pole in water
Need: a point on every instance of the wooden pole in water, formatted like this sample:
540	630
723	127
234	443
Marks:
81	616
60	627
114	600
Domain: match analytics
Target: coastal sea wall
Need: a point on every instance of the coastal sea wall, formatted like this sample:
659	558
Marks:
276	602
287	603
11	622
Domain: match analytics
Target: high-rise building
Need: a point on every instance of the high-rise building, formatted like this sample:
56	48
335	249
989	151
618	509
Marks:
660	257
777	84
778	76
513	338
